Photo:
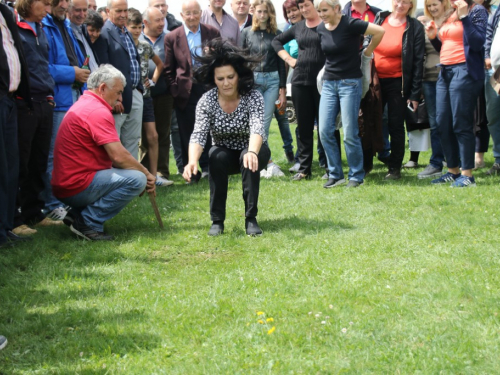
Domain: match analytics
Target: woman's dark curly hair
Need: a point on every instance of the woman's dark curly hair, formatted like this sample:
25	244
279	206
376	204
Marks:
220	52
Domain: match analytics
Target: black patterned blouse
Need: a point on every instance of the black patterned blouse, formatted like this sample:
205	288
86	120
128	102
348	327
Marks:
231	130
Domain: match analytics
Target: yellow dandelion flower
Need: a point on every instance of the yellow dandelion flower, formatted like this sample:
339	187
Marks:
260	321
260	312
271	330
269	320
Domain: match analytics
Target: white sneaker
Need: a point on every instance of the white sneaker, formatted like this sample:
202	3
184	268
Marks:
273	170
410	164
162	181
264	173
58	213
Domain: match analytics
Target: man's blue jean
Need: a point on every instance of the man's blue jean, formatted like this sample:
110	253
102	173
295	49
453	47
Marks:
52	202
437	157
268	84
108	193
344	96
493	114
456	93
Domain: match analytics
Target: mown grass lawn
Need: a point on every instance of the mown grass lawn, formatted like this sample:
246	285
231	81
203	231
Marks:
392	277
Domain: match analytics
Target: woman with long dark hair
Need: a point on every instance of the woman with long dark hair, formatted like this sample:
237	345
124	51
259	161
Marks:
460	41
233	113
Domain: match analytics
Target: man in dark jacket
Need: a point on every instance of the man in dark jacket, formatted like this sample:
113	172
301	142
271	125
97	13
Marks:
35	126
77	13
170	22
13	82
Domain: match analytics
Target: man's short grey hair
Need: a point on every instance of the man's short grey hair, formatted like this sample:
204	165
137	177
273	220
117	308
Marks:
107	74
332	3
109	3
145	15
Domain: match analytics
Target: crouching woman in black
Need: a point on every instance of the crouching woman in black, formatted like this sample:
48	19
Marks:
233	112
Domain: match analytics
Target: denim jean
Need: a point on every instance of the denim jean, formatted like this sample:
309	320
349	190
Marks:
345	96
268	84
52	202
493	114
456	93
437	156
284	126
108	193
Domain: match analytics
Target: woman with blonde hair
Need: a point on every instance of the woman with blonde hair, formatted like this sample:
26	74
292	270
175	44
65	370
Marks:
270	73
434	10
399	60
342	87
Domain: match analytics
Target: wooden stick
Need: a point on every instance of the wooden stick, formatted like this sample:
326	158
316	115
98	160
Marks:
155	209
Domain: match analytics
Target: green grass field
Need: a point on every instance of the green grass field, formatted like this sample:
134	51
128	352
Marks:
393	277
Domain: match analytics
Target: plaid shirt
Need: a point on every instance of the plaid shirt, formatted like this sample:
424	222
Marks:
135	71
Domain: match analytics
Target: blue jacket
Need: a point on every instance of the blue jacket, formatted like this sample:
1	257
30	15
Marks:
36	46
490	33
59	67
474	38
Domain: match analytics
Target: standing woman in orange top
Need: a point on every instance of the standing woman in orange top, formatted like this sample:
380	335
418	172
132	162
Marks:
399	60
461	44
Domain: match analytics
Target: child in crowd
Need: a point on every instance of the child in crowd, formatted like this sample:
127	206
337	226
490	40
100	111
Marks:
149	143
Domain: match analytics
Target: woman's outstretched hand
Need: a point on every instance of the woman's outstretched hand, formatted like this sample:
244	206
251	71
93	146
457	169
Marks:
189	170
251	161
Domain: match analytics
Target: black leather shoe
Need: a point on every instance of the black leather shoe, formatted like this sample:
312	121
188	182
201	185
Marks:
216	229
252	227
15	238
84	231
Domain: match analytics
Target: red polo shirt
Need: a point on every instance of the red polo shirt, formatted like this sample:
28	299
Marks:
367	16
79	151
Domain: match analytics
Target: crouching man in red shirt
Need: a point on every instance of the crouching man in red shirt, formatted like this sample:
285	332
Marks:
93	173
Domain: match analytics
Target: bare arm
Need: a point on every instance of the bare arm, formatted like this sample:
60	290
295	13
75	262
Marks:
250	159
122	159
159	68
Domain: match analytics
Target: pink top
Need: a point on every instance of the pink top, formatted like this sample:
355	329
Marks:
452	38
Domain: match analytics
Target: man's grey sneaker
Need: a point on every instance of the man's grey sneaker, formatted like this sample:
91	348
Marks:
295	168
333	182
325	176
58	213
216	229
354	184
464	181
494	170
84	231
445	178
429	172
3	342
251	227
394	174
162	181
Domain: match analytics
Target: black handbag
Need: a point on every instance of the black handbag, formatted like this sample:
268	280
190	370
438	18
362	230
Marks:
418	119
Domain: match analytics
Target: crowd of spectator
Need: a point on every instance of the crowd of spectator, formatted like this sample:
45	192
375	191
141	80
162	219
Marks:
360	68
